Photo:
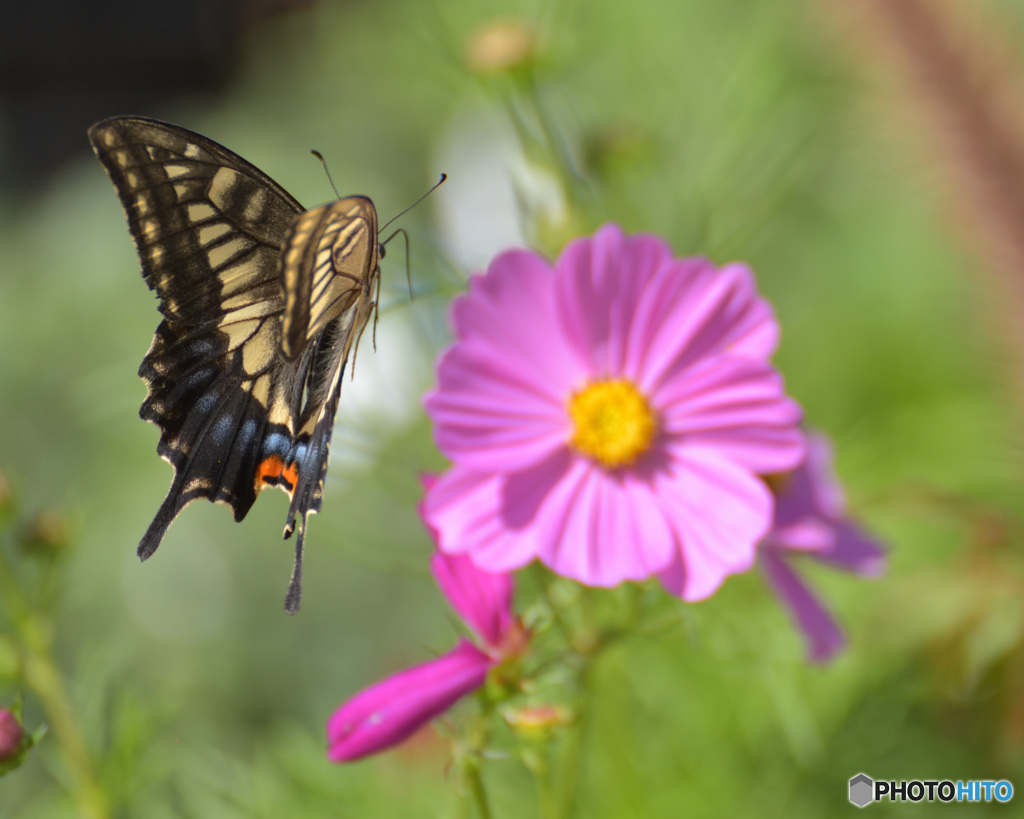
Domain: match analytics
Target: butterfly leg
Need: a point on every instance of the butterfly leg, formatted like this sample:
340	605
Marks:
355	352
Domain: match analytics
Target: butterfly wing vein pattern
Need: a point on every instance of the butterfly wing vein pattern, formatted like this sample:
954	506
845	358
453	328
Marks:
261	301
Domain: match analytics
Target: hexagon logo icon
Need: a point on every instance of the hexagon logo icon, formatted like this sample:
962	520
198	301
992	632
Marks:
862	790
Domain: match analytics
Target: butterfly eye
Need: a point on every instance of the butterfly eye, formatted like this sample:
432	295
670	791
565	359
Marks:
380	251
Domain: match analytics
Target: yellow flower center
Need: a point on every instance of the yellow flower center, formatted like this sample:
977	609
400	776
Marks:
612	422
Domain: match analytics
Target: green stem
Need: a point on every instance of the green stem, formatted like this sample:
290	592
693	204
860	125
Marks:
537	761
43	678
543	147
470	759
571	181
540	577
477	793
541	143
570	758
17	606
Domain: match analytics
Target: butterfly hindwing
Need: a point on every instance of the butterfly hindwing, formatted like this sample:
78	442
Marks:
240	404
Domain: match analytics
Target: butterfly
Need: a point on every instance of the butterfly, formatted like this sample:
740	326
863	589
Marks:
263	302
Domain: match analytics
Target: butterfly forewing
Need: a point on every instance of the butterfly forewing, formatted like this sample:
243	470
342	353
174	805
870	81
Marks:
328	265
230	254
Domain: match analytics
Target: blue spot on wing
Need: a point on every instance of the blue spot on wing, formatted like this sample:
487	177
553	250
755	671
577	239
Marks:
276	444
246	434
221	430
206	403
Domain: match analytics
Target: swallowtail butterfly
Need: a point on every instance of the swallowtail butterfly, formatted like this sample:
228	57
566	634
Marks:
262	303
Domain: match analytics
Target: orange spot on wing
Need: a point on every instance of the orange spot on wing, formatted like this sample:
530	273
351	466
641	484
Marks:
273	472
269	469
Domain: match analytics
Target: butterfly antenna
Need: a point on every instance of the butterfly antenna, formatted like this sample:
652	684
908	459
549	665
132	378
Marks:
408	274
438	184
327	171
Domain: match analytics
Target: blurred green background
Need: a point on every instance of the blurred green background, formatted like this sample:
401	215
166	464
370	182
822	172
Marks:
767	132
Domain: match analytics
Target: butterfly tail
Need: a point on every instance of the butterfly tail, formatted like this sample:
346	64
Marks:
294	596
165	516
310	459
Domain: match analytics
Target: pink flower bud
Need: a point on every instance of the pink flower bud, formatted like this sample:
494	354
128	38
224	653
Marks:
11	734
384	714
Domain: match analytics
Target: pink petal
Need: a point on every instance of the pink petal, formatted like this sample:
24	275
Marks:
812	496
810	490
821	477
511	311
602	528
390	711
821	632
755	330
482	599
738	407
687	315
527	490
501	389
719	512
808	534
465	508
854	551
600	279
487	418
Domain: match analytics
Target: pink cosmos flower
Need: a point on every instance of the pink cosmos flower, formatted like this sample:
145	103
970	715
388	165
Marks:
810	518
385	714
609	415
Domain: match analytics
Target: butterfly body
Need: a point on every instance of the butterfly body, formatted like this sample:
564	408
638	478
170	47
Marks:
262	303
